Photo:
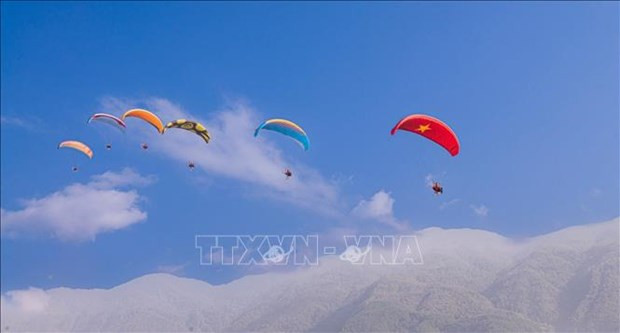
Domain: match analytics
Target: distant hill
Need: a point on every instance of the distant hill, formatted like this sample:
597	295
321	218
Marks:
471	280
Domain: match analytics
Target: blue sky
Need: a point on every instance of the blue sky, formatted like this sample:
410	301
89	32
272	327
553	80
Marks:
531	89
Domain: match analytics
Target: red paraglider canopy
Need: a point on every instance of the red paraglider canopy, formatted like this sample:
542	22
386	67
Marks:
432	129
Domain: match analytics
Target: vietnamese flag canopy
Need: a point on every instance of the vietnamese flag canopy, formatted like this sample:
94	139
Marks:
432	129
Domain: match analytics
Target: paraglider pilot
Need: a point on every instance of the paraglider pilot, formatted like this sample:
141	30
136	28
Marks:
437	188
288	173
145	146
191	165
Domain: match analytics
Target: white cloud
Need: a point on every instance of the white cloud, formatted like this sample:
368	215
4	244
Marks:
481	210
235	153
379	207
79	212
126	177
29	301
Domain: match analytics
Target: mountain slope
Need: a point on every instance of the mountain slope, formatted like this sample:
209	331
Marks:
471	280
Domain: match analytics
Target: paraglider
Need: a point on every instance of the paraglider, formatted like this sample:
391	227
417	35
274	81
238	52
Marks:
144	146
287	128
432	129
77	145
288	173
192	126
108	119
437	188
191	166
146	116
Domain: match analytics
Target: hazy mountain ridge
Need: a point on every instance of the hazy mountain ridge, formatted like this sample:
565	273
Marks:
471	280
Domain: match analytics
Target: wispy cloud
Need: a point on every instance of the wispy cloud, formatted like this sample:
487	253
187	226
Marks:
5	120
480	210
28	122
79	212
430	178
235	153
172	269
379	207
126	177
447	204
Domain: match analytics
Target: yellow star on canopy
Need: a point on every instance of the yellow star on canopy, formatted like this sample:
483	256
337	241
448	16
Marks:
423	128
